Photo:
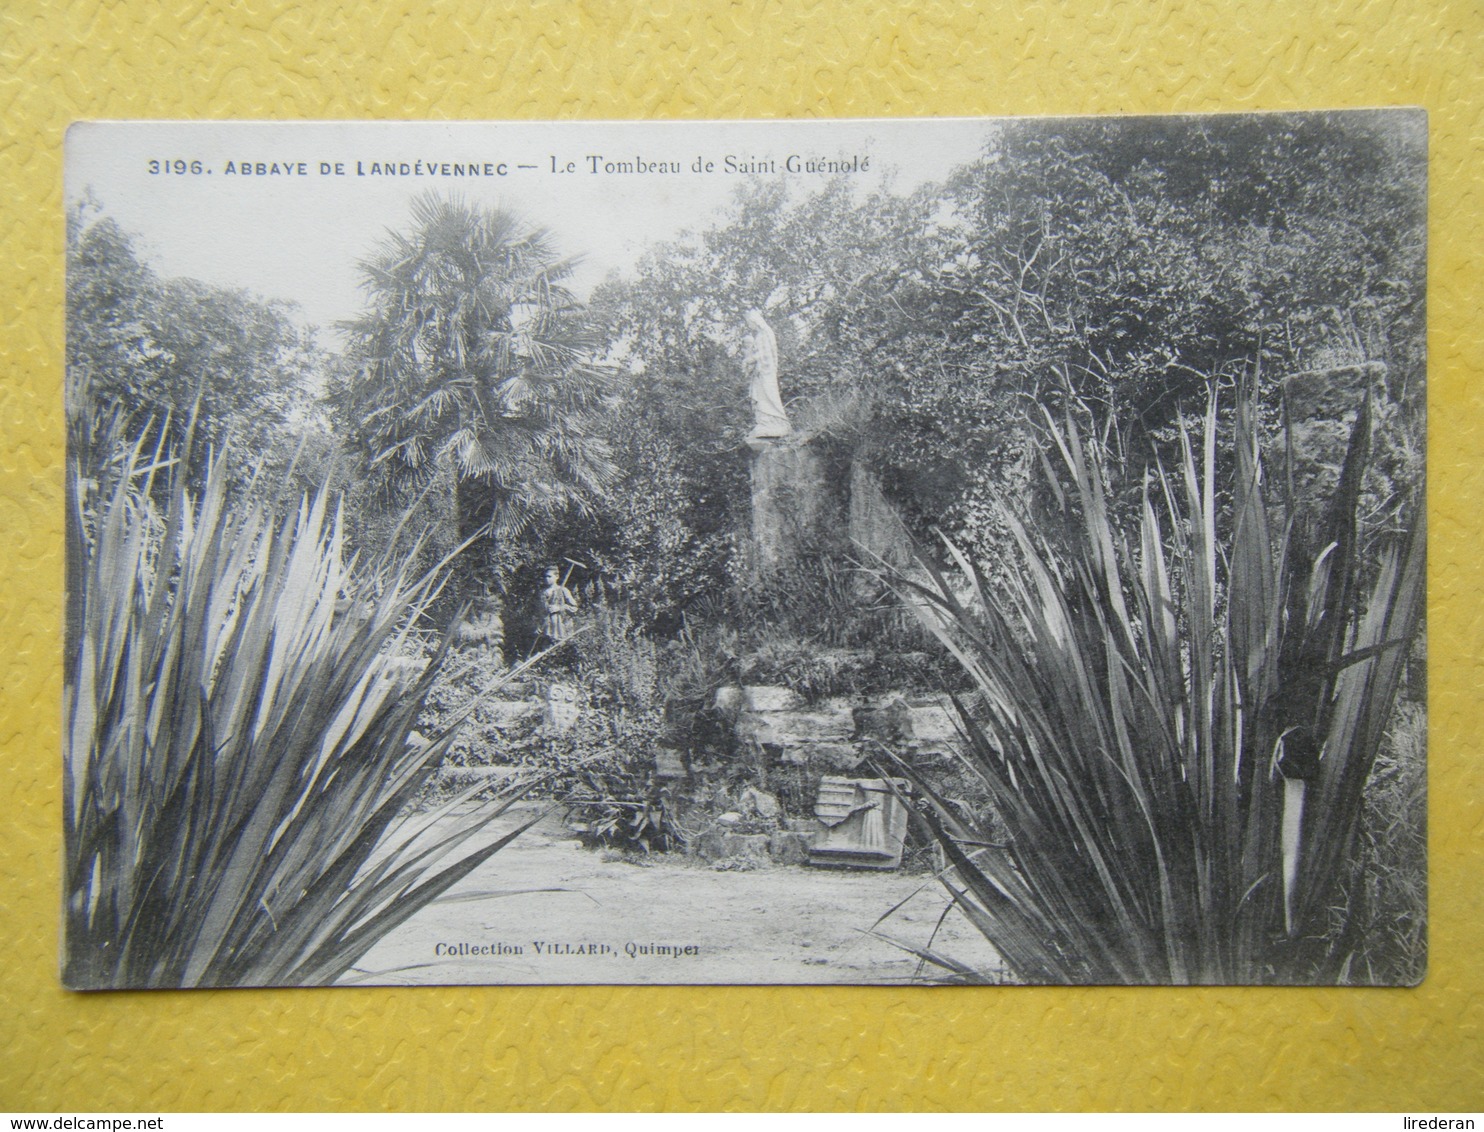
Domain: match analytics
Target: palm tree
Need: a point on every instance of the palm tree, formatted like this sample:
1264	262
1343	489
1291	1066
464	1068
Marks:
472	355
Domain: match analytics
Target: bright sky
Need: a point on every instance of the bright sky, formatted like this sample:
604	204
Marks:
297	233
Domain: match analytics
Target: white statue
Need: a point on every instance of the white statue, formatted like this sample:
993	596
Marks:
761	359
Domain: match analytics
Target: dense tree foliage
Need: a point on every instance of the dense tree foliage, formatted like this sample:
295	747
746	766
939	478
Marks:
472	355
161	352
1141	258
1127	263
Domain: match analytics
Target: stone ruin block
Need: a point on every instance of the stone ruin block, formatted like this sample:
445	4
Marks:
563	706
882	720
824	724
930	723
874	525
865	822
720	843
791	847
793	507
838	756
505	714
760	802
769	697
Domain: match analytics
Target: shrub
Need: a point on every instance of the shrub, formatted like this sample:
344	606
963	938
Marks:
465	690
603	770
1177	734
238	741
602	766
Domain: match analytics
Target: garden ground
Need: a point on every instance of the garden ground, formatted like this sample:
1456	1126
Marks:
547	910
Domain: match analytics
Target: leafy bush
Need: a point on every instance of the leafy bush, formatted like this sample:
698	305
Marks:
238	741
1177	734
602	766
823	626
465	689
616	661
614	797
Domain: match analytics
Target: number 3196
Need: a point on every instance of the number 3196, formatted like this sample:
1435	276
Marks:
177	165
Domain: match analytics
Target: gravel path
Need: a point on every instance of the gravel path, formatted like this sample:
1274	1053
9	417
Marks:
668	919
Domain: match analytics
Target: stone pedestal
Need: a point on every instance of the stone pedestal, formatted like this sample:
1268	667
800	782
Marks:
789	513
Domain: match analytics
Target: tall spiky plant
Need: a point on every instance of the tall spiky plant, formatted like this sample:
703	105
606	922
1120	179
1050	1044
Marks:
1175	728
239	751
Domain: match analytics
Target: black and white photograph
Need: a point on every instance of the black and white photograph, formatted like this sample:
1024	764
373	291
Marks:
894	552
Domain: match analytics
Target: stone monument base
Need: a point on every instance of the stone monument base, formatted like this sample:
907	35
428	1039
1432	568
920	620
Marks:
790	512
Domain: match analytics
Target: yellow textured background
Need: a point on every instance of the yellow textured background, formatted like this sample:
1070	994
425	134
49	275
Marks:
773	1048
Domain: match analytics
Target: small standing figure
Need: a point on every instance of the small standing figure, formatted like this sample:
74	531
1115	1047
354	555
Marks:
560	605
760	358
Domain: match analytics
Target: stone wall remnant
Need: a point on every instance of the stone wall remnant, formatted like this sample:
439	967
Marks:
842	731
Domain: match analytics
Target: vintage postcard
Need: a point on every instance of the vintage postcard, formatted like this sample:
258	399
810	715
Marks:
873	552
